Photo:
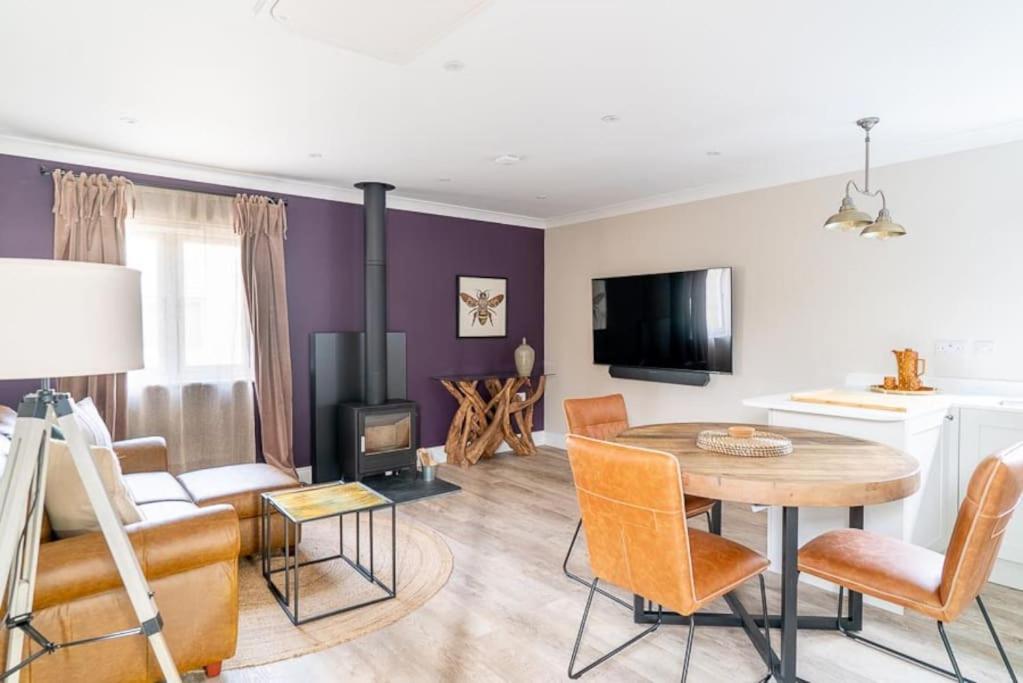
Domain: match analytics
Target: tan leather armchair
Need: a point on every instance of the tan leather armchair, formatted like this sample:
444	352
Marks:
191	563
634	517
935	585
604	418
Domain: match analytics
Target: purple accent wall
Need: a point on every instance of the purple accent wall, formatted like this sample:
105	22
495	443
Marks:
323	259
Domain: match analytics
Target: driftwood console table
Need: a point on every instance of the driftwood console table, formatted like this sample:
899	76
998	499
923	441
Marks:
492	408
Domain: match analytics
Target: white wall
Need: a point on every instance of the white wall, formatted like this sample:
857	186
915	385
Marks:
810	305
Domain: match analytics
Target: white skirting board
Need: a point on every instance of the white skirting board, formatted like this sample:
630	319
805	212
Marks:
305	474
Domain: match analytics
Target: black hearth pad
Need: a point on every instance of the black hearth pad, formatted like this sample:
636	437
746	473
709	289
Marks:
406	487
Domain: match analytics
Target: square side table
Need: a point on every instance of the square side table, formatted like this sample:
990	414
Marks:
312	503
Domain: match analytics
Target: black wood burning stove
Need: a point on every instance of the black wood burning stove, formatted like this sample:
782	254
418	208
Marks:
376	439
374	434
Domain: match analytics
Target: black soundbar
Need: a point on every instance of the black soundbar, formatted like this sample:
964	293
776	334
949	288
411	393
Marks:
691	378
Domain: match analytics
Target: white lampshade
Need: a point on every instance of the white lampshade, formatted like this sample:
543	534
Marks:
66	319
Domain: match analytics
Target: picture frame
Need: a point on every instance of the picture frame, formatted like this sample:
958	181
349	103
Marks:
481	307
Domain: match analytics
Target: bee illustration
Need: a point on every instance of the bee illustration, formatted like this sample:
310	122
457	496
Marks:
482	305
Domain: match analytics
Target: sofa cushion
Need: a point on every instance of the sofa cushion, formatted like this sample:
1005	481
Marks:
91	424
153	487
166	509
5	449
67	503
237	485
7	418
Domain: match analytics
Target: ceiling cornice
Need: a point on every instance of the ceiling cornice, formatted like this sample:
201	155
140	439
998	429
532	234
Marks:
129	163
26	147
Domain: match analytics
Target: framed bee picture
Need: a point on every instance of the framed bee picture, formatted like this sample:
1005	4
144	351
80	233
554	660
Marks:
482	306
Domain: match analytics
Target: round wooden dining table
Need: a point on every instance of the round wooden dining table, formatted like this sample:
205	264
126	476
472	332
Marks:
823	470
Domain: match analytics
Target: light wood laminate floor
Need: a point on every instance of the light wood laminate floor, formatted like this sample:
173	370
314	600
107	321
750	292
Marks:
508	613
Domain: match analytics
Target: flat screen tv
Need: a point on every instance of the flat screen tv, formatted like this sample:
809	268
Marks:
678	321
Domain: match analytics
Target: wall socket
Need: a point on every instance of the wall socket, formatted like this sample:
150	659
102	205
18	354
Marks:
950	346
982	347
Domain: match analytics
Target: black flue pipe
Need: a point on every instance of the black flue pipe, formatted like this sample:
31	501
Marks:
375	230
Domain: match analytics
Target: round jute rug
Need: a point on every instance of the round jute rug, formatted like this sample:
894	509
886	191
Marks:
266	635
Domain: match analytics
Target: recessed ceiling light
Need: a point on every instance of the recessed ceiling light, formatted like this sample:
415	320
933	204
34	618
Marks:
713	153
611	118
130	120
453	65
443	180
508	159
541	196
315	155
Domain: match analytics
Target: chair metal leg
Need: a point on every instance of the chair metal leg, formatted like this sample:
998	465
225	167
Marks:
581	580
689	649
948	649
603	658
998	642
571	547
954	675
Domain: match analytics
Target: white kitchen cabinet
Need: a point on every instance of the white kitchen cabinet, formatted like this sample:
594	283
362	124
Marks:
983	431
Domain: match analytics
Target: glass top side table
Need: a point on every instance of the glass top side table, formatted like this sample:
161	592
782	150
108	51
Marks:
312	503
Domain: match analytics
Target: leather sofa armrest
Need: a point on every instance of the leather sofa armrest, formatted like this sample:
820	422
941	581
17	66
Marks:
76	567
145	454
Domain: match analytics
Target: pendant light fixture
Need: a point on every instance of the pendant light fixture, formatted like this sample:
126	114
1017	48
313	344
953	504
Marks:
851	218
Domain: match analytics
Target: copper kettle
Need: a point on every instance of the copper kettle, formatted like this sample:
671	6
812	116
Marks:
911	368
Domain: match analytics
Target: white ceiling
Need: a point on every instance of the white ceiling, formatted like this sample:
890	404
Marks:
774	87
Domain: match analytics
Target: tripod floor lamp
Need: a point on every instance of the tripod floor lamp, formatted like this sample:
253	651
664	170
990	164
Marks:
64	319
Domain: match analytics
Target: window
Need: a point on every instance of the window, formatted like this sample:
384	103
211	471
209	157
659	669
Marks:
195	322
195	389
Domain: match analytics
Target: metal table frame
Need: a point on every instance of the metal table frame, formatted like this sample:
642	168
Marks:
292	564
789	621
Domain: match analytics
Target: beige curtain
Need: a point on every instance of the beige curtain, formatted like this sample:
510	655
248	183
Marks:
262	223
196	388
89	211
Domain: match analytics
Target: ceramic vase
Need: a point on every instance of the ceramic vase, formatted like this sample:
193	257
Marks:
525	356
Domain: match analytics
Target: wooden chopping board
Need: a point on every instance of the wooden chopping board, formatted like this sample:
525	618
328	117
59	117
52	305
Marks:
854	399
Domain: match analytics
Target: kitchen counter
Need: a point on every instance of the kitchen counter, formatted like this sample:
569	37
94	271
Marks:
915	406
953	393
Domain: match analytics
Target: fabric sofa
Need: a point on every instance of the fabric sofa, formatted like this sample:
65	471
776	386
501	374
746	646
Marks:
193	529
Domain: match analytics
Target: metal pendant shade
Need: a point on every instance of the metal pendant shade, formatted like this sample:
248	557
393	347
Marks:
849	217
883	228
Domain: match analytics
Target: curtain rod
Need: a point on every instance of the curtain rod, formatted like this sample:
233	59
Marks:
49	171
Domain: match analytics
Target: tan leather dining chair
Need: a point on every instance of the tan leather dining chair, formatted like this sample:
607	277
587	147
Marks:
633	512
935	585
605	417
